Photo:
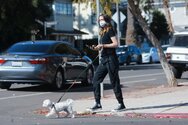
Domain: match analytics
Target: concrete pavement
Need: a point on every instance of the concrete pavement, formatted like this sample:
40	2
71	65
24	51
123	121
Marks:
157	103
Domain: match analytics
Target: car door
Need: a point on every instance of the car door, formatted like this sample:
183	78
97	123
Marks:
130	52
65	58
154	55
74	64
78	64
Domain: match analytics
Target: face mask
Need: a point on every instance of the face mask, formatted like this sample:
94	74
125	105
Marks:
102	23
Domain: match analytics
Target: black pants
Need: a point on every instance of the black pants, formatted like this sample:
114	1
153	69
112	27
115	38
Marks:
108	65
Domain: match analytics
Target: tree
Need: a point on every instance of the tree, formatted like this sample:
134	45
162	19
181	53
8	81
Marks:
168	15
106	6
130	33
166	67
159	25
18	18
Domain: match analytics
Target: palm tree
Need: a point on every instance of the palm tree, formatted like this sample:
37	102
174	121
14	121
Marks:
166	67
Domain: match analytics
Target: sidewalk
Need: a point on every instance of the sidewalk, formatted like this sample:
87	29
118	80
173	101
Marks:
156	102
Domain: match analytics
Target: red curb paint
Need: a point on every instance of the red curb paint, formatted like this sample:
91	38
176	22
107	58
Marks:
158	115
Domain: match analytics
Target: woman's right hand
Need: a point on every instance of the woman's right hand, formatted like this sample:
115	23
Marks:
98	47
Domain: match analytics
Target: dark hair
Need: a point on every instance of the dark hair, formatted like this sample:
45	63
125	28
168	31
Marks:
107	18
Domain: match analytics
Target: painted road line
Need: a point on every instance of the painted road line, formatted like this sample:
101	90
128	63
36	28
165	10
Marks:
2	90
144	75
127	82
22	96
137	76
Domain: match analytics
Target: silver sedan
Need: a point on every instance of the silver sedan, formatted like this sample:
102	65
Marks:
44	62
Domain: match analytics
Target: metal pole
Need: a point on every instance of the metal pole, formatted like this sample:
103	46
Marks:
45	29
118	20
98	13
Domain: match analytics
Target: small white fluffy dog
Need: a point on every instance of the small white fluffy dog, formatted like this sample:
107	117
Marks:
56	108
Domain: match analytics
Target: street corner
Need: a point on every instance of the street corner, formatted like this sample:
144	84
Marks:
157	115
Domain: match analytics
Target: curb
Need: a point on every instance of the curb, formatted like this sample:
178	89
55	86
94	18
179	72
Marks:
157	115
44	111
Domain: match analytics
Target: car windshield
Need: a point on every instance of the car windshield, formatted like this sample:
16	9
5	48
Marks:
145	50
38	48
120	49
165	48
181	41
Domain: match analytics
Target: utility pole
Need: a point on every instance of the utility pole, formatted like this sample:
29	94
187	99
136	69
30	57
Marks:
45	29
118	20
98	13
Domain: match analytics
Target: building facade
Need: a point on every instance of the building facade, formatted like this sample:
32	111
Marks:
78	21
85	19
61	23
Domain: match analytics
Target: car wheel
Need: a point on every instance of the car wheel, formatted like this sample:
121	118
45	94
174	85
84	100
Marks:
121	64
139	60
59	80
177	72
128	61
5	85
88	78
150	60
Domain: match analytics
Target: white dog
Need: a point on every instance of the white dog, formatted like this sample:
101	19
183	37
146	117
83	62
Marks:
55	108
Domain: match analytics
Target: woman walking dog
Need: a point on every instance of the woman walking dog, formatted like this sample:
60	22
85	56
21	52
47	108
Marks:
109	63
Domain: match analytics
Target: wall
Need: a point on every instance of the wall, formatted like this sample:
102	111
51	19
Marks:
85	20
64	21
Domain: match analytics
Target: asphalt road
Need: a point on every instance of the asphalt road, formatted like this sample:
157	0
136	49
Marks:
91	121
17	106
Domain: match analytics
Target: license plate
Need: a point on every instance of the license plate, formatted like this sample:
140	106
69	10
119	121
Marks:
186	57
17	64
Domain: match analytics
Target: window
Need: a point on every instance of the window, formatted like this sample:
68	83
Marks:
63	8
43	48
66	49
181	41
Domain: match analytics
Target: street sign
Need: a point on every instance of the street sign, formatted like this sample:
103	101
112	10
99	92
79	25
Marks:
50	23
115	17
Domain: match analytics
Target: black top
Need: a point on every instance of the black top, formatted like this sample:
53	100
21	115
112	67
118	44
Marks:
106	39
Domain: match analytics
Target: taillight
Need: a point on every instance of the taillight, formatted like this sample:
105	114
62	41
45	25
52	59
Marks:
39	61
168	56
2	61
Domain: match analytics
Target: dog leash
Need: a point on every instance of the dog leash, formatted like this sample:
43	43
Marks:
92	48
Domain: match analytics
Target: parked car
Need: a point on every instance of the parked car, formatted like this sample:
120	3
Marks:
150	55
128	54
44	62
164	47
177	53
120	51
